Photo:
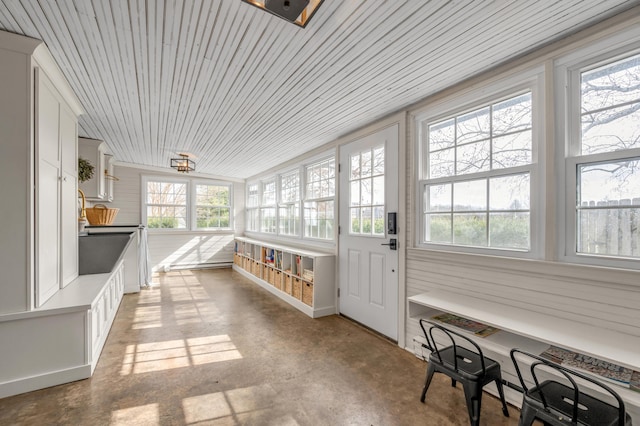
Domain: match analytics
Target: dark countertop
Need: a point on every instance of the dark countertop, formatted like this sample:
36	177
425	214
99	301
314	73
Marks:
112	226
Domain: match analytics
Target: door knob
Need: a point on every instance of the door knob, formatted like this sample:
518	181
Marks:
393	244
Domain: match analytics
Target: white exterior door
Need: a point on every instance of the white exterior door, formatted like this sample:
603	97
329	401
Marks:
368	265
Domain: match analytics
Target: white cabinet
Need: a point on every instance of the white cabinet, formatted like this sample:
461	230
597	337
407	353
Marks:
92	150
56	227
38	121
47	144
305	279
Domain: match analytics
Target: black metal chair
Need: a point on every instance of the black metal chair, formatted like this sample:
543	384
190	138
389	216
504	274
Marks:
559	401
471	368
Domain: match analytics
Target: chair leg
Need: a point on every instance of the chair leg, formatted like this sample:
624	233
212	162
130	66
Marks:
473	395
453	383
430	371
527	415
501	392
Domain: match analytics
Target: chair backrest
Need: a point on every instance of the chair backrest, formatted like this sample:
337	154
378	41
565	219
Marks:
433	347
537	362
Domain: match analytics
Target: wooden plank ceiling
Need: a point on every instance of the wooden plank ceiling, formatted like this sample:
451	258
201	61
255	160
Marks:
243	90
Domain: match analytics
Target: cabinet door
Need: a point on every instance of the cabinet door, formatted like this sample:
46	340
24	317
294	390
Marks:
69	197
48	190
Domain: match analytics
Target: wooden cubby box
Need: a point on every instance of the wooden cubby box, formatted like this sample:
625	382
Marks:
303	278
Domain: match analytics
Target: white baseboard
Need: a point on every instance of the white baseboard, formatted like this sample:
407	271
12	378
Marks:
53	378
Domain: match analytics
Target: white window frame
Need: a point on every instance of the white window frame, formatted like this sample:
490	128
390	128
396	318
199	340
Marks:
288	204
165	179
531	80
319	199
264	205
568	70
194	209
191	222
301	168
252	208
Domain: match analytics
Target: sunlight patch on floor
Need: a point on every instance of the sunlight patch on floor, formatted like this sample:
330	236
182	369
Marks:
180	353
142	415
231	407
147	317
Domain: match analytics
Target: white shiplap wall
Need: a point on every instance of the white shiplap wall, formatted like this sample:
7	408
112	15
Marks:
175	249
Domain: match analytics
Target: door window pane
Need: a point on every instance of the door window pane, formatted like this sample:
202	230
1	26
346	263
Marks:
367	192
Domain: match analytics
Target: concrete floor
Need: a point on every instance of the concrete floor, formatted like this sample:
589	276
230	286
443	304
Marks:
210	347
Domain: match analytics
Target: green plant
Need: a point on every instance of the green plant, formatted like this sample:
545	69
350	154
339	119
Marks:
85	170
162	222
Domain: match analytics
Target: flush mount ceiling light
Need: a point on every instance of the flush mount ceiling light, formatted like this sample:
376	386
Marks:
297	12
183	164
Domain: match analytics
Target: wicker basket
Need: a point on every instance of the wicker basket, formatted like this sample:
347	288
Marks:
296	291
307	293
101	215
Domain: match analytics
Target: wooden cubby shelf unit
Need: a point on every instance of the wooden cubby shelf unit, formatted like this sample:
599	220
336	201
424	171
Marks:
305	279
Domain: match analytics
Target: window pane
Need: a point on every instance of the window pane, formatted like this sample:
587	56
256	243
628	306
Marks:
473	126
290	187
442	163
365	192
604	182
610	101
438	198
512	115
366	164
318	219
378	190
470	195
268	216
497	136
512	150
473	158
438	228
252	198
214	195
608	208
611	130
356	225
355	193
320	180
509	230
289	219
378	221
161	217
253	223
355	166
613	230
268	192
509	193
611	84
442	135
378	161
470	229
166	193
366	219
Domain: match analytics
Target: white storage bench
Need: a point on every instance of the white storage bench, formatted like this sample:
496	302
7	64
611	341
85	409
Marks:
532	332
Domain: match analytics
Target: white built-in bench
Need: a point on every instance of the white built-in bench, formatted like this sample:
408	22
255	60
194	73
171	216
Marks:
60	341
533	332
